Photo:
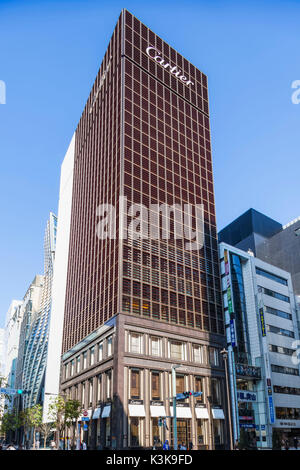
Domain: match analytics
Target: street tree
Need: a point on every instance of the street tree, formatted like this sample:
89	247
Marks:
34	417
64	411
11	421
45	429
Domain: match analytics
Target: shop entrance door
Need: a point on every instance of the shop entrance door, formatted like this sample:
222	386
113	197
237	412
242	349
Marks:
183	432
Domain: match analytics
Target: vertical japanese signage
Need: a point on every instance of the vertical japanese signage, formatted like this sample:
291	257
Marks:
229	300
262	322
266	361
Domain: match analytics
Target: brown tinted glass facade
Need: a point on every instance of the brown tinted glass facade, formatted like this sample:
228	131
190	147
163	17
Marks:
144	134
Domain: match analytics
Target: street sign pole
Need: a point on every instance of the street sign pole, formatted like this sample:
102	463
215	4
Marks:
174	407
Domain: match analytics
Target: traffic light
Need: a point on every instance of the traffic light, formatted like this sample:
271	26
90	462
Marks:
184	395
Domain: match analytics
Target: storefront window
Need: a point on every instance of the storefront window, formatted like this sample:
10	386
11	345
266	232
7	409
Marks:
90	392
199	388
109	346
201	438
213	356
179	384
217	424
108	385
155	385
92	355
198	353
83	393
134	432
215	391
176	350
155	346
135	343
107	432
99	388
135	384
84	360
78	364
100	351
156	430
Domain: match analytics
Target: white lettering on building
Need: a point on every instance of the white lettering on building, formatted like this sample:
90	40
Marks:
157	57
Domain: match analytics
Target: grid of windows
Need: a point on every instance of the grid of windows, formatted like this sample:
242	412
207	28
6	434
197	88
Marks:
280	331
287	413
271	276
284	370
279	313
281	350
167	159
274	294
286	390
145	135
91	294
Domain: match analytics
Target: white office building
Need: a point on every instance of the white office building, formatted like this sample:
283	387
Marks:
262	341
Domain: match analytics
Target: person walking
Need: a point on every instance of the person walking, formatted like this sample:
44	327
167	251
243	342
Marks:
166	445
296	443
11	447
286	444
191	445
84	446
53	445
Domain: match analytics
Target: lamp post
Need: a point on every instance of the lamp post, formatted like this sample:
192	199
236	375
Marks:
224	354
174	367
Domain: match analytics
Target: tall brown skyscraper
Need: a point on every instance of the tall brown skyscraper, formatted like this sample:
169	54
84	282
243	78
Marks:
136	307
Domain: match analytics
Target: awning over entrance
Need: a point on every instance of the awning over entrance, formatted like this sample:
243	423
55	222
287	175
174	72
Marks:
157	411
136	410
182	412
201	413
217	413
106	411
96	413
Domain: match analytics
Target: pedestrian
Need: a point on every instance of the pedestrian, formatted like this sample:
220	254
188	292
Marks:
166	445
11	447
286	444
84	446
295	443
53	445
236	445
37	445
183	446
191	446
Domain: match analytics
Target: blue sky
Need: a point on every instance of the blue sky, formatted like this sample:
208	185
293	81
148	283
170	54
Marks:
50	54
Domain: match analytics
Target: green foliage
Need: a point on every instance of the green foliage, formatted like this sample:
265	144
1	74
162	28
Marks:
3	407
63	410
11	421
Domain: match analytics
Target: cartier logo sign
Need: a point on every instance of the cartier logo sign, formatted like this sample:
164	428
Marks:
173	69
